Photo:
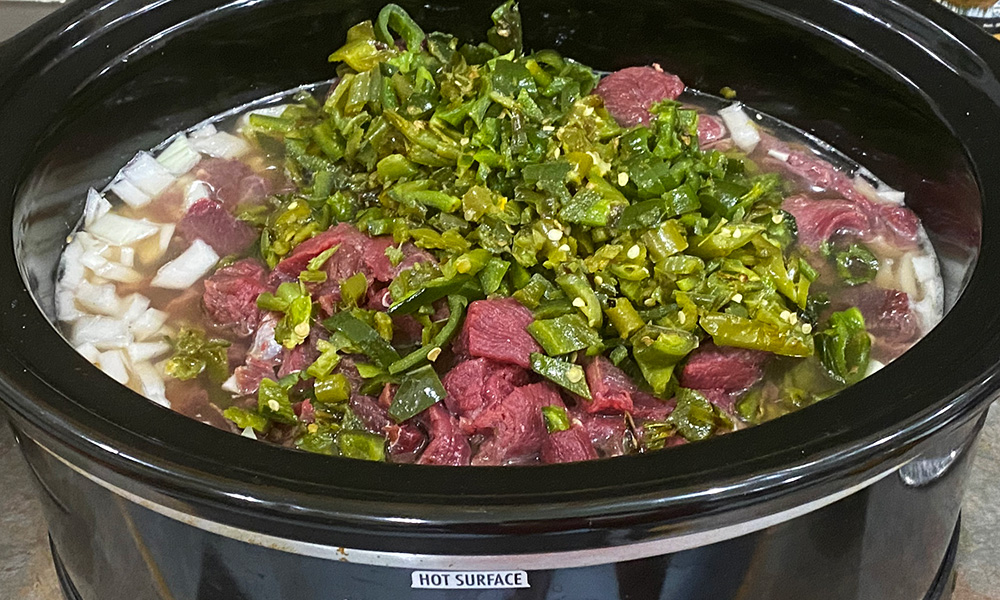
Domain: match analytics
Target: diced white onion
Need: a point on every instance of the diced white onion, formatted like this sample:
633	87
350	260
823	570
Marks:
146	351
782	156
131	195
185	270
891	196
105	333
120	231
221	145
89	351
166	234
179	157
108	270
874	366
930	308
99	299
126	256
69	264
151	382
66	309
148	175
113	363
134	306
230	385
204	131
198	190
741	128
248	433
97	206
148	324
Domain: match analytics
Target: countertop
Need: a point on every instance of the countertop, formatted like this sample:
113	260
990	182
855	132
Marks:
26	571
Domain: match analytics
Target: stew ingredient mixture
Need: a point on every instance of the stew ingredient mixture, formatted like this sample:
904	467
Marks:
463	253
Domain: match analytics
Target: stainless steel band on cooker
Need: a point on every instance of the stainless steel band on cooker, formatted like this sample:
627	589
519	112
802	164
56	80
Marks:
533	562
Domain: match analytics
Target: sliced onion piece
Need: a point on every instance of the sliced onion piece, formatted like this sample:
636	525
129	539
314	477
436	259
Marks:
72	272
185	270
148	324
134	306
114	363
221	145
121	231
131	195
148	175
99	299
146	351
126	256
151	382
204	131
741	128
90	352
198	190
97	206
66	310
179	157
105	333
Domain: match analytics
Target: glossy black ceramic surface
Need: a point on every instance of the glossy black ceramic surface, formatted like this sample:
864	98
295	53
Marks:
903	87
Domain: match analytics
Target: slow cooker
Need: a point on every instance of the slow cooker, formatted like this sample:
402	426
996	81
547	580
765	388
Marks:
856	497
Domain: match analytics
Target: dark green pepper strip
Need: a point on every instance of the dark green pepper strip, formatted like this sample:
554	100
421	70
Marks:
562	373
326	362
273	402
577	287
694	417
419	390
564	334
556	418
844	346
363	336
320	442
732	330
361	445
353	289
456	307
393	15
856	265
724	240
463	285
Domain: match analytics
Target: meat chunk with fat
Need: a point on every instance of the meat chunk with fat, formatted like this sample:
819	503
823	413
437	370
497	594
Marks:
477	384
630	92
611	389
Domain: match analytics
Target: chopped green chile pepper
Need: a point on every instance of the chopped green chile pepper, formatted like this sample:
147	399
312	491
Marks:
531	293
456	307
564	334
844	346
694	417
326	362
361	445
273	403
332	389
732	330
244	418
392	15
666	240
361	52
195	354
856	265
724	240
578	289
556	419
562	373
364	337
319	442
624	317
418	390
353	290
492	274
396	166
657	350
463	285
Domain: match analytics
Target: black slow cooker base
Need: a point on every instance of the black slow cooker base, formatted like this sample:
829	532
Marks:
941	589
